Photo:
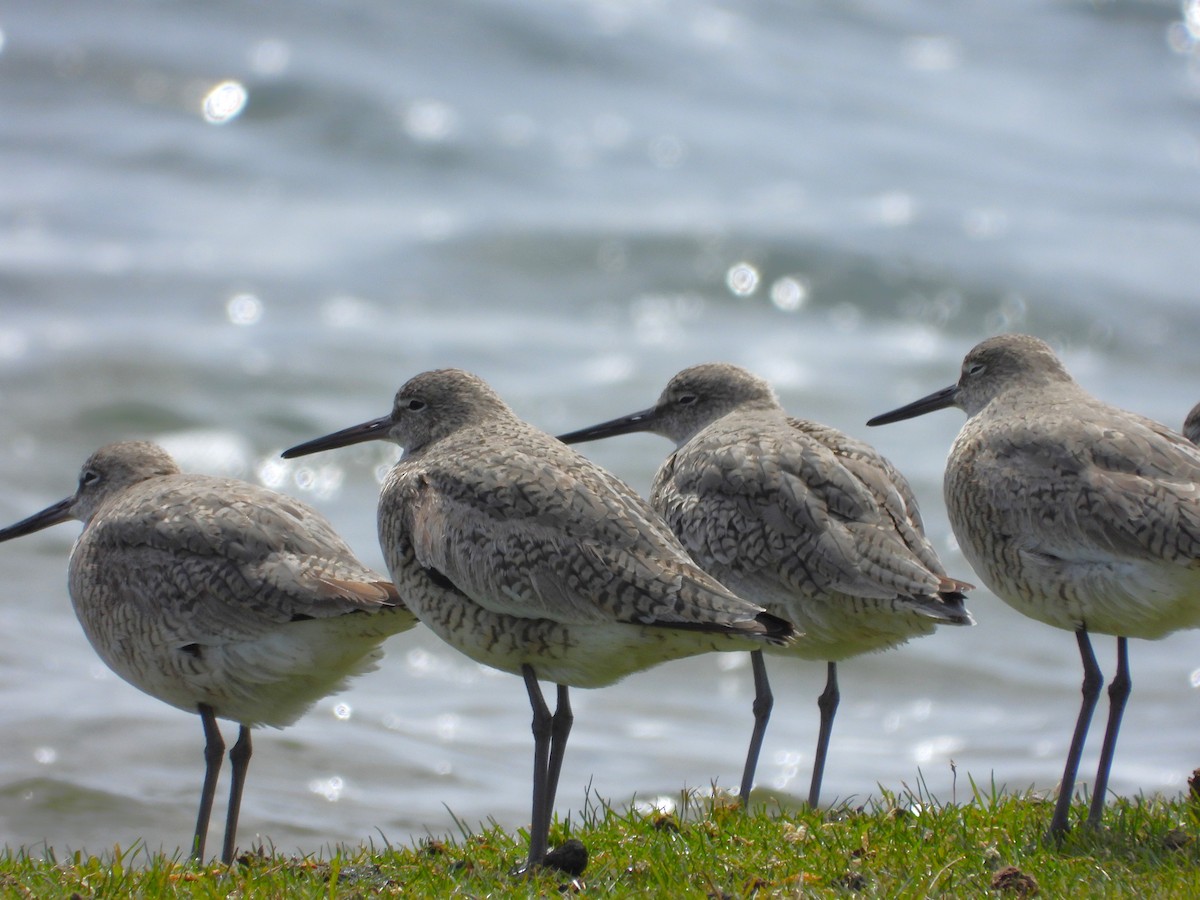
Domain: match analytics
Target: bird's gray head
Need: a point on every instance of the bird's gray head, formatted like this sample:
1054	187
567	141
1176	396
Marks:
115	467
992	368
691	401
1003	363
107	472
429	406
699	395
438	403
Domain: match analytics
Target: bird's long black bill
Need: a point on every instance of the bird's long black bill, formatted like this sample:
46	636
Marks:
937	400
638	421
355	434
51	515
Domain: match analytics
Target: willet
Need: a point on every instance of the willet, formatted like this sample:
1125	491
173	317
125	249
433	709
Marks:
814	525
218	597
1191	425
1076	513
527	557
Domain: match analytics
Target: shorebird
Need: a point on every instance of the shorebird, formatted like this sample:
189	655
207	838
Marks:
814	525
1074	512
527	557
218	597
1191	425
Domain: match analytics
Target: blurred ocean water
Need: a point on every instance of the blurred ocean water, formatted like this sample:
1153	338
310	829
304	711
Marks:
230	227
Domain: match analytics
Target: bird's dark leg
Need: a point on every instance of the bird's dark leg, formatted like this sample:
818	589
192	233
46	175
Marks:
764	701
827	703
1093	681
1118	694
239	761
214	754
543	724
560	729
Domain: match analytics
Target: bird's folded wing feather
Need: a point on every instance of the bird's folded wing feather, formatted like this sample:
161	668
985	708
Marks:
536	541
784	502
237	569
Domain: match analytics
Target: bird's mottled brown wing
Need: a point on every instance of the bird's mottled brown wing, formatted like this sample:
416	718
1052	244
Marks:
771	500
237	560
539	532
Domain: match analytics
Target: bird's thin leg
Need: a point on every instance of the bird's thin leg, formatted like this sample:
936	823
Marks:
1118	694
560	729
827	703
239	762
1093	681
214	754
764	701
543	723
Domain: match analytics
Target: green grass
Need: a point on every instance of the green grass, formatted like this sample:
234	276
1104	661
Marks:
899	846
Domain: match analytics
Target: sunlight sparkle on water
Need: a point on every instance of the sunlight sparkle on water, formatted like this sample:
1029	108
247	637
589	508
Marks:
45	755
643	729
1045	748
789	765
985	223
13	344
447	726
430	121
272	472
789	293
658	318
931	53
742	279
330	788
211	450
609	369
346	311
323	482
1008	314
894	209
244	309
342	711
937	748
224	102
663	805
419	661
731	662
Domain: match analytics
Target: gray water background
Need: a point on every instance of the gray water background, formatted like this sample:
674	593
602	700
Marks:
574	200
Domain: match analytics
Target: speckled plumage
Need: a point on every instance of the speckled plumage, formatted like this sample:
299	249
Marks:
814	525
214	595
527	557
1074	512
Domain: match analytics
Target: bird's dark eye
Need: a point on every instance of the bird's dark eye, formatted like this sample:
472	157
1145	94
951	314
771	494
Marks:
415	405
88	476
975	368
686	399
